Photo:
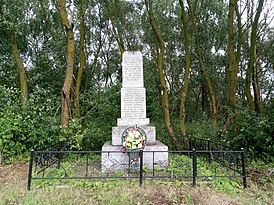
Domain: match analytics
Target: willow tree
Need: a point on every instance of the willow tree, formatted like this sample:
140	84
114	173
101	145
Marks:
251	72
186	75
160	66
8	23
65	93
20	65
232	68
202	65
82	58
113	12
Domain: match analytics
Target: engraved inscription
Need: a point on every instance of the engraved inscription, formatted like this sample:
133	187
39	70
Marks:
132	69
133	103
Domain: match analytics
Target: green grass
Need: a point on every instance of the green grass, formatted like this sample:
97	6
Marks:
13	182
127	192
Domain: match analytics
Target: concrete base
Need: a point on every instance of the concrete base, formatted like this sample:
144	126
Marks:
113	159
118	131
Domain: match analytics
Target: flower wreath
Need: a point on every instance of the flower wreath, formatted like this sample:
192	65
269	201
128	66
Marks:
133	138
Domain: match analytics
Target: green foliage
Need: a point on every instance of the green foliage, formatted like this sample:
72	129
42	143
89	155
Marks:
201	128
226	185
39	34
73	134
181	165
256	133
22	129
94	137
10	124
100	114
103	107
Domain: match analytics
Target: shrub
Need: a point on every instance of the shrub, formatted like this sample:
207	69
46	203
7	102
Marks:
23	128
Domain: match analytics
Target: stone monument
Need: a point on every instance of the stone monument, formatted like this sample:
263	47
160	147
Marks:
133	112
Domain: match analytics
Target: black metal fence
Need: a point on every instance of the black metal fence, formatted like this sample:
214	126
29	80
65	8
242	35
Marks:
208	145
189	165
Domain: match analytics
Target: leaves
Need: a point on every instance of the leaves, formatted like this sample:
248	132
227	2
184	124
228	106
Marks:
41	41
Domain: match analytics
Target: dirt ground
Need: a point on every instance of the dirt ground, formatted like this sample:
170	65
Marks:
15	174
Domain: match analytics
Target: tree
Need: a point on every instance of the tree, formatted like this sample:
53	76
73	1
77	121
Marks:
23	77
65	93
160	65
250	70
186	75
82	59
9	30
202	66
232	69
114	15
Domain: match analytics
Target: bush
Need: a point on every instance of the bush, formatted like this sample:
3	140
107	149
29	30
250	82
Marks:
255	134
23	128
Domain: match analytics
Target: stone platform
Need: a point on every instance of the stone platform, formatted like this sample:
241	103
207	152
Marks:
113	159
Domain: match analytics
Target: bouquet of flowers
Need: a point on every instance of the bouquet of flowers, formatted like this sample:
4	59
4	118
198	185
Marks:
133	139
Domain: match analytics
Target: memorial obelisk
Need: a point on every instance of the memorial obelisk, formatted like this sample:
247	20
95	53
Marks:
133	112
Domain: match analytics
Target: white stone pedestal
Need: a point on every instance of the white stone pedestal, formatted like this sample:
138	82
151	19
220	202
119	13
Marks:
113	159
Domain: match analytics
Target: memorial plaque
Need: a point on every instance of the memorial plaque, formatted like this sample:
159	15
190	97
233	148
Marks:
133	103
132	69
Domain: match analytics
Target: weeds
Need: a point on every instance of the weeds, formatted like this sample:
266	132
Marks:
220	191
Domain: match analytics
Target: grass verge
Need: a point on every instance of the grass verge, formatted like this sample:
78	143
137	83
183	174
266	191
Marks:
13	180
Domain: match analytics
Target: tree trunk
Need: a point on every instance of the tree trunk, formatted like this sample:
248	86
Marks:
23	77
239	42
232	69
205	100
82	59
231	57
256	89
186	76
203	70
160	65
65	94
251	64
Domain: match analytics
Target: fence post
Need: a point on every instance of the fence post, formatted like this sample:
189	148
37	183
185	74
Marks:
141	168
153	163
59	156
190	144
194	167
243	167
129	163
209	150
86	164
30	169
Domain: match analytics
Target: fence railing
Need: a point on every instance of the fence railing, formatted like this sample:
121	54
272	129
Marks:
189	165
210	146
207	145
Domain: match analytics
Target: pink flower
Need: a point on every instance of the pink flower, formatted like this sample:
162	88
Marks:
143	145
123	150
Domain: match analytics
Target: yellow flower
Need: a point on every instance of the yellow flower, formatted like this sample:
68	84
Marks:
131	135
